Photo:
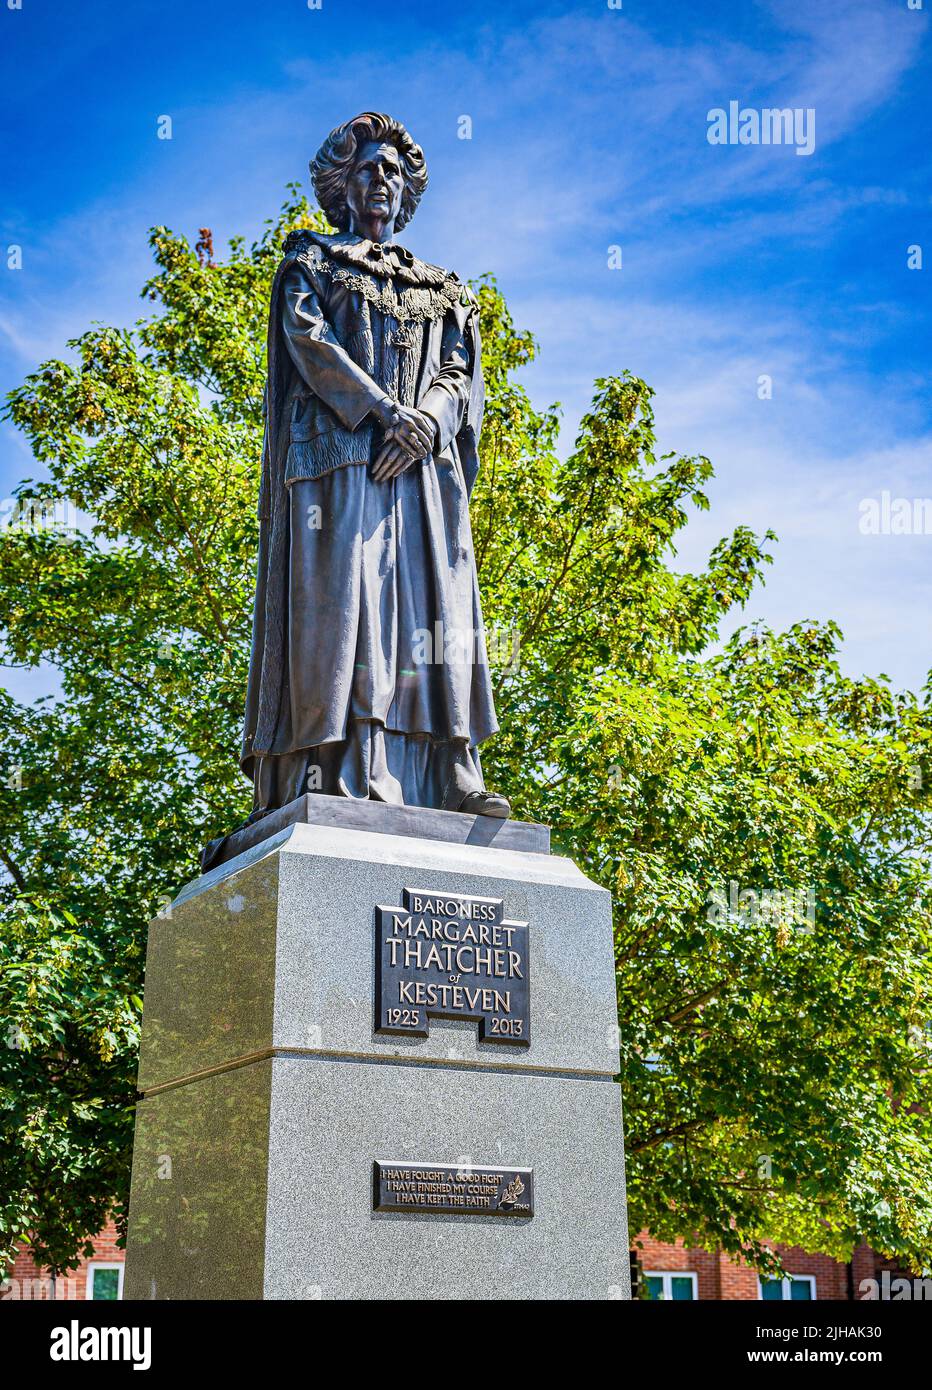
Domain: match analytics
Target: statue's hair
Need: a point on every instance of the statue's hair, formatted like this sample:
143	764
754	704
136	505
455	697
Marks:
333	164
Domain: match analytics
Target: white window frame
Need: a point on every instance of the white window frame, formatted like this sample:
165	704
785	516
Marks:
787	1279
667	1274
102	1264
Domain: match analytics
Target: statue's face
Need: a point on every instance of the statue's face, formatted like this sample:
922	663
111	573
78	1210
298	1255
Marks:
374	188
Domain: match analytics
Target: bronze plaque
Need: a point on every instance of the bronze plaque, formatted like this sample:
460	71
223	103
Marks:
453	1189
450	955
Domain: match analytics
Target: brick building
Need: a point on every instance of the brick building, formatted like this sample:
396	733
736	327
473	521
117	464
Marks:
671	1272
681	1274
100	1277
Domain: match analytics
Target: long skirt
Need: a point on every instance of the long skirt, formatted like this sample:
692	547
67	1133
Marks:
389	683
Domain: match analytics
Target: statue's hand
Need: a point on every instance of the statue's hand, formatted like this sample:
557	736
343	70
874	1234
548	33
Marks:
413	430
409	437
393	458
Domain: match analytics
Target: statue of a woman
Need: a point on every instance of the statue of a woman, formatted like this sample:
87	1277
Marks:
369	676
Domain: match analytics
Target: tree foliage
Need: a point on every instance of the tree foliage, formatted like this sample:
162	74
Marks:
761	819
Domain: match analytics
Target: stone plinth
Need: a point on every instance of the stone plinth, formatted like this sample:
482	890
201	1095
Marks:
268	1094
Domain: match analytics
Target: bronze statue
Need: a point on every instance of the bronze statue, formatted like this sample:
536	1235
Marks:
369	676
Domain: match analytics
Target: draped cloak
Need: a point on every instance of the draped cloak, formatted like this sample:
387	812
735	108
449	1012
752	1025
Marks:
367	604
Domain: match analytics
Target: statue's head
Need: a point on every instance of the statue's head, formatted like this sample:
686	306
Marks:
369	169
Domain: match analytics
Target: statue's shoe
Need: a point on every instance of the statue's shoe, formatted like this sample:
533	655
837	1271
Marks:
486	804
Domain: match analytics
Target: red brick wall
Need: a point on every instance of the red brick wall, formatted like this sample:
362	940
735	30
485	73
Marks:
716	1276
26	1281
720	1277
867	1264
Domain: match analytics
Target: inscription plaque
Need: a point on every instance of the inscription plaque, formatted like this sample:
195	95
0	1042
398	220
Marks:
443	955
453	1189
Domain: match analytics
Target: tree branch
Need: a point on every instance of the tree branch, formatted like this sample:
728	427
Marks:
693	1004
13	870
638	1146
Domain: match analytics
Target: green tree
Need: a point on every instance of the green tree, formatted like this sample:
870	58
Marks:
761	819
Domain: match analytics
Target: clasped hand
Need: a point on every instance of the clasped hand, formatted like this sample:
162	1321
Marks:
409	437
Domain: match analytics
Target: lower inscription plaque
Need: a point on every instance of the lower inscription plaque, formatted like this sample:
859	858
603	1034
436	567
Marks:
453	1189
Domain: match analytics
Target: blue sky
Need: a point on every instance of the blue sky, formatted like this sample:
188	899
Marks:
589	130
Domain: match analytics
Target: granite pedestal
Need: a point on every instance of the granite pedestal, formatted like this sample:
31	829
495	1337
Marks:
268	1094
